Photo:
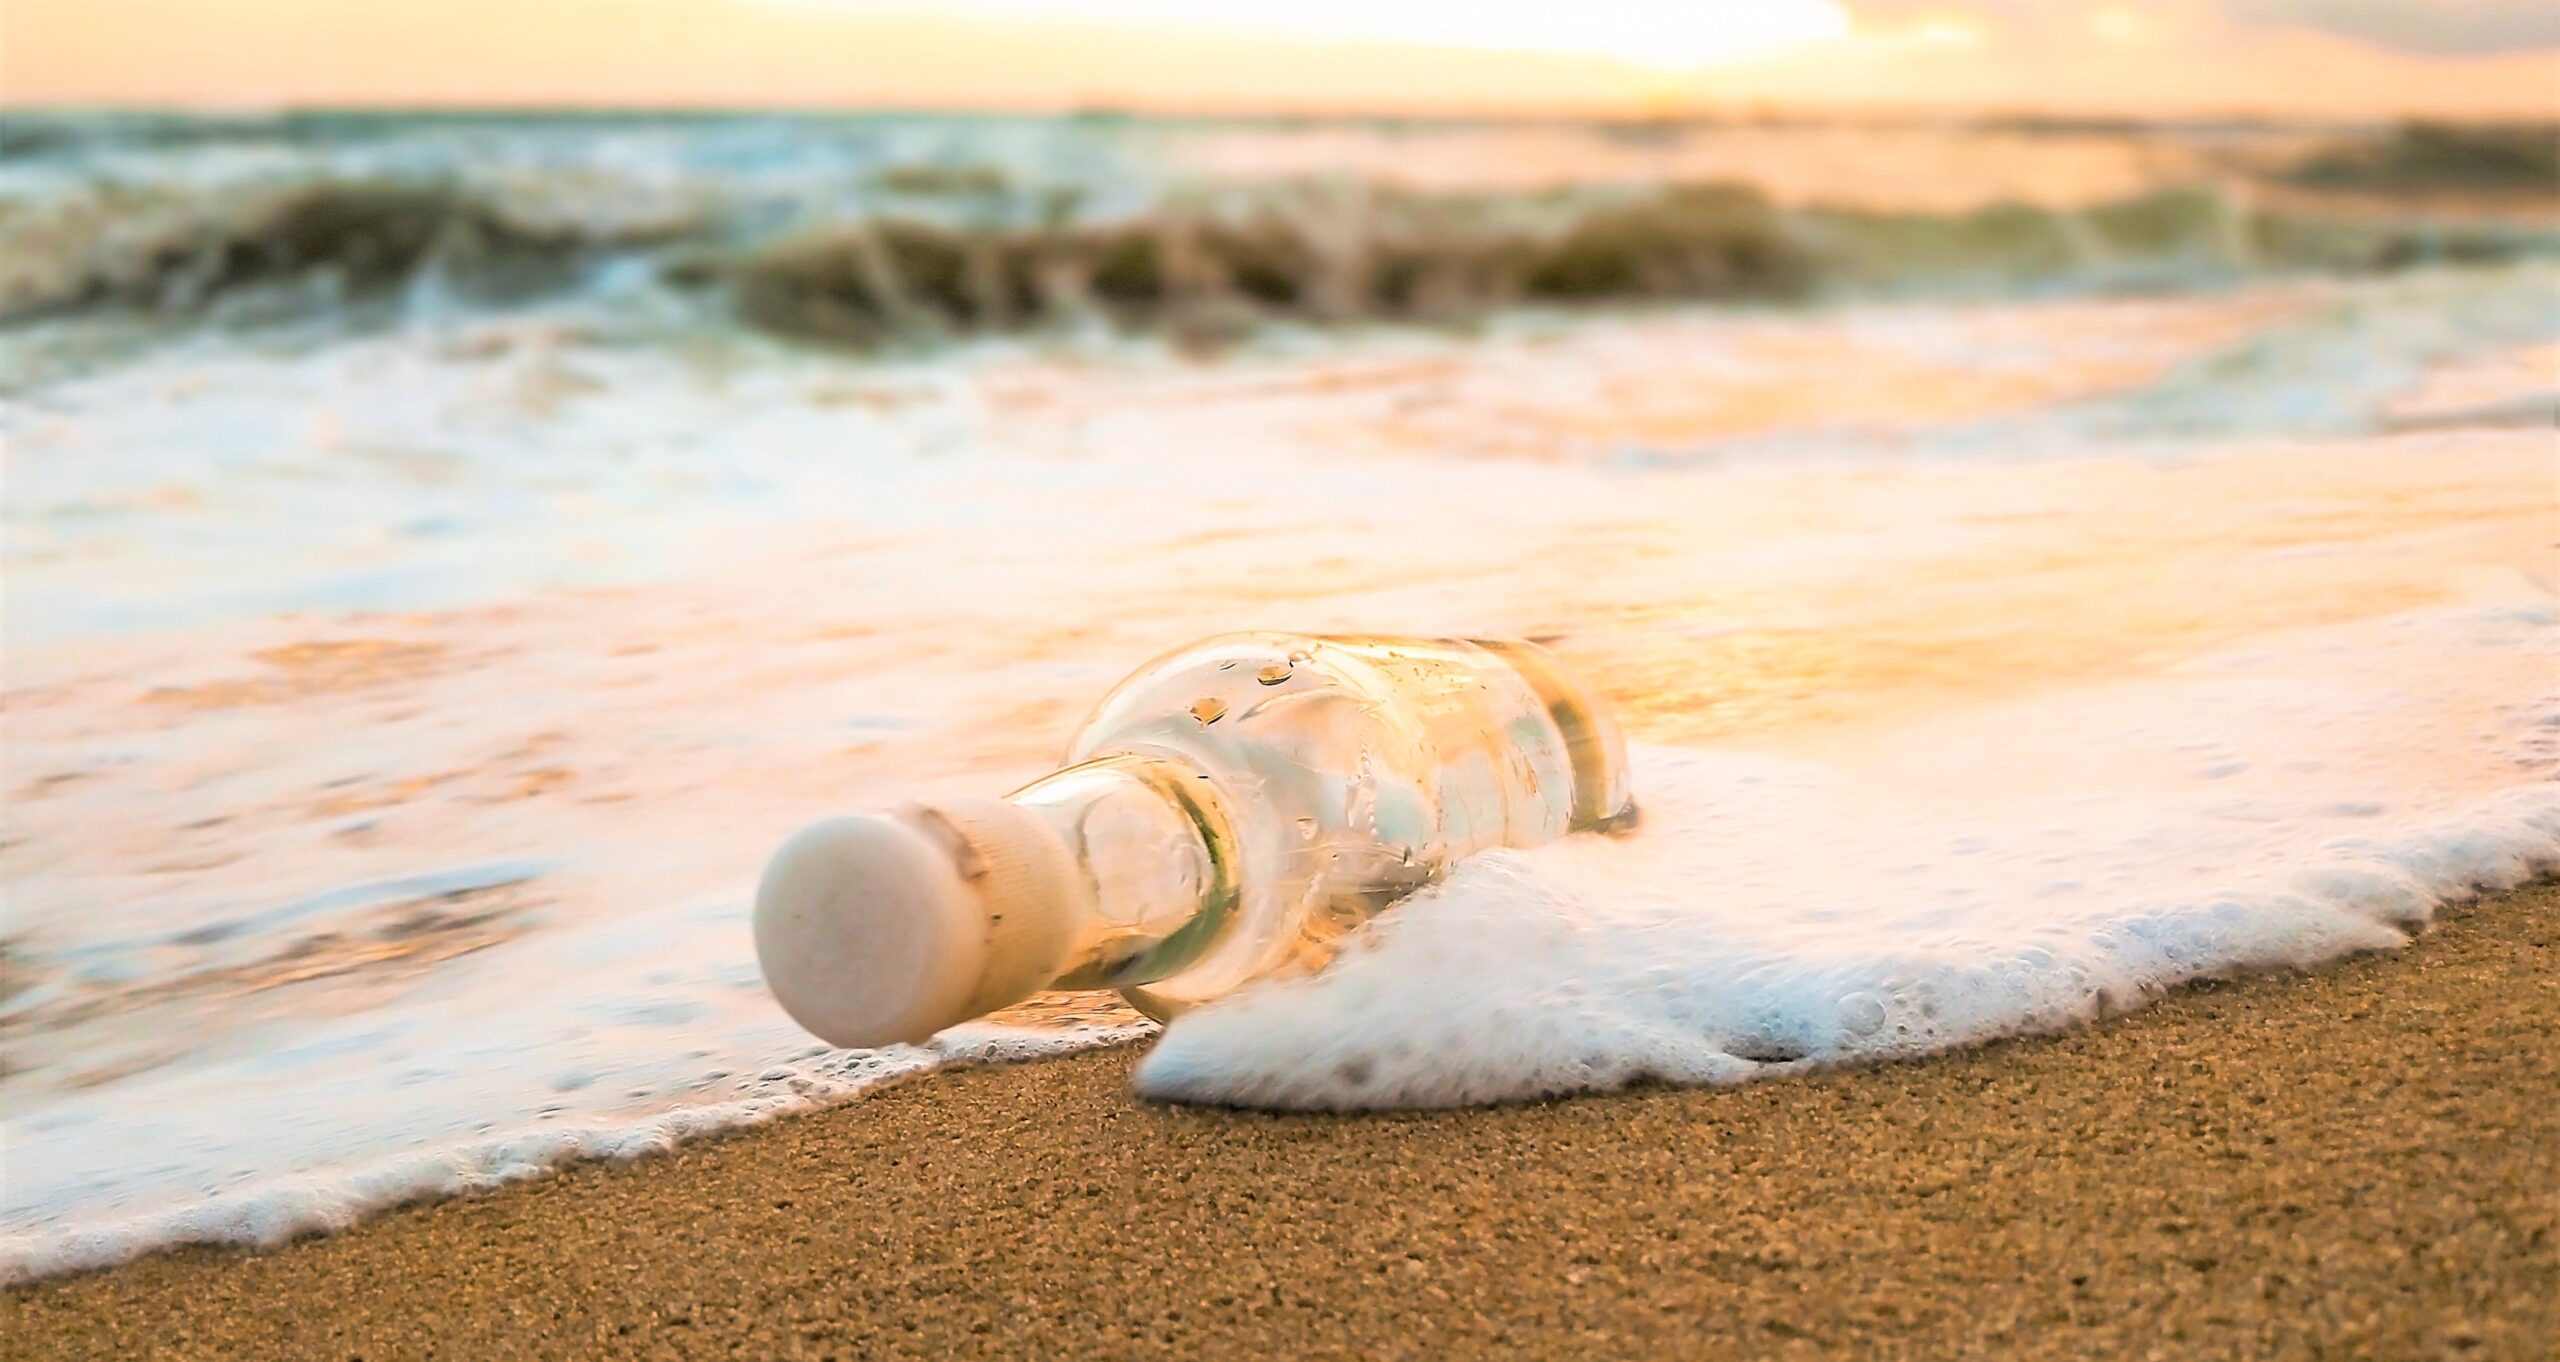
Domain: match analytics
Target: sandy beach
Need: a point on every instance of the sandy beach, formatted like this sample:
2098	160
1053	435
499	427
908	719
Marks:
2354	1163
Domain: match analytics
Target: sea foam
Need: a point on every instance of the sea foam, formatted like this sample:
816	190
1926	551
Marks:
1530	975
2004	869
329	1199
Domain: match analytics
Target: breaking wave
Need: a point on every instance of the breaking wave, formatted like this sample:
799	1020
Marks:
892	251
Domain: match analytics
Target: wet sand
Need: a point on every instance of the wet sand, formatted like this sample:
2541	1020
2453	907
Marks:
2360	1162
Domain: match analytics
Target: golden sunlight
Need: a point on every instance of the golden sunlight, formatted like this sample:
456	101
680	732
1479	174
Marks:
1645	35
2166	58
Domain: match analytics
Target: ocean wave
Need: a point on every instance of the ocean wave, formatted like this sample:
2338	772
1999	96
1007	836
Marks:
177	255
1333	258
2424	157
962	252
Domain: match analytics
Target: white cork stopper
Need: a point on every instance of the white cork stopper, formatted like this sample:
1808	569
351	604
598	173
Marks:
873	930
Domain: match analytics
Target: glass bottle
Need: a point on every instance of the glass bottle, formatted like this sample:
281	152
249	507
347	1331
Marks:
1227	813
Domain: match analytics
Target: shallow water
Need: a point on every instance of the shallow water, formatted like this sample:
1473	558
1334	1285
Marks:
397	719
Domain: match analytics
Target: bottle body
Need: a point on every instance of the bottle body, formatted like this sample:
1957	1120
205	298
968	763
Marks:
1333	776
1228	813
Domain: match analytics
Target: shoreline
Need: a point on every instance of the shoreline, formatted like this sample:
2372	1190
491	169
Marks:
2355	1161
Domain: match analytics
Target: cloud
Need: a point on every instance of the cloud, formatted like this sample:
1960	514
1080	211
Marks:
2441	28
2446	28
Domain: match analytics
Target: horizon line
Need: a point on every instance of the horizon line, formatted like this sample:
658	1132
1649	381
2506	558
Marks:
1635	112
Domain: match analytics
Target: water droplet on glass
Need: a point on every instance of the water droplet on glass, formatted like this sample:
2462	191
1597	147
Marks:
1273	675
1209	709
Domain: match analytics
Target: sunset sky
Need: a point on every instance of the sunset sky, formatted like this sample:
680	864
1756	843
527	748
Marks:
2323	57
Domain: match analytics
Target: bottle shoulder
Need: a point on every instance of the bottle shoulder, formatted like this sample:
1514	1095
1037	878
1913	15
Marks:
1263	682
1351	770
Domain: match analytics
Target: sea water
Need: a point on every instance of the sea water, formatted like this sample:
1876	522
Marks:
402	695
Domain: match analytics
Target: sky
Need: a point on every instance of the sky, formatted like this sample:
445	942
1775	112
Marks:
2175	57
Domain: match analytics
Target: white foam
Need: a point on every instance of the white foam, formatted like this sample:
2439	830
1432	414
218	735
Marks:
327	1199
2008	869
1526	975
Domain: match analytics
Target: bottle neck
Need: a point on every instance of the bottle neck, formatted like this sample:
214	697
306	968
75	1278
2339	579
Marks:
1153	840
